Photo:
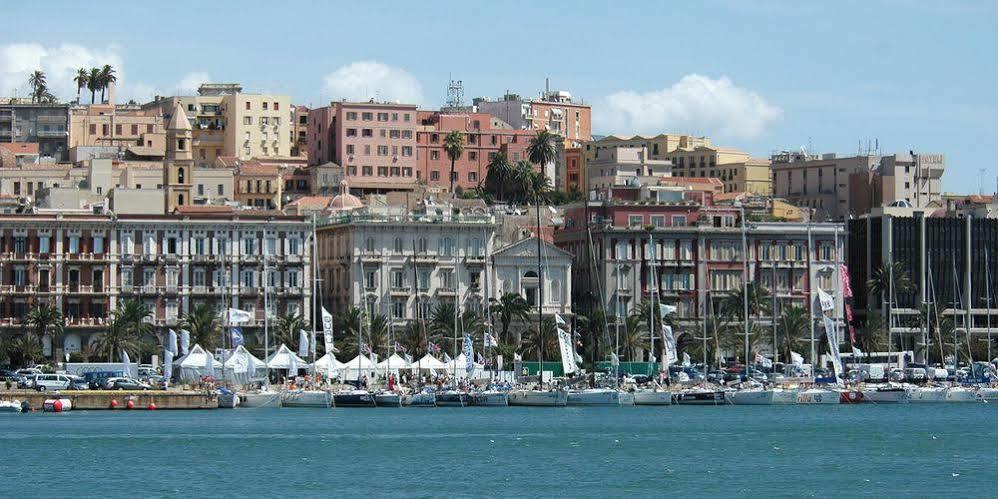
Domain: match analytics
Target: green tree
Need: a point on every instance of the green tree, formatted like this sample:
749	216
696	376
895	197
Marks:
37	81
509	307
533	343
872	335
758	300
634	336
204	325
107	77
44	319
791	328
377	336
24	350
497	176
454	147
350	324
889	277
81	79
94	83
543	148
127	328
287	328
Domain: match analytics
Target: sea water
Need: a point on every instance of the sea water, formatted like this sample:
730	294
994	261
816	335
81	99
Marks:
876	450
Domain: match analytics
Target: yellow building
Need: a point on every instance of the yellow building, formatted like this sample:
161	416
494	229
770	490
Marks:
658	146
228	122
752	176
259	185
128	128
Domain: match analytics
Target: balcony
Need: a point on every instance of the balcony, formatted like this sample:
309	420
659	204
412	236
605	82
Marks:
170	289
401	291
148	289
248	290
371	257
447	291
477	260
423	259
51	134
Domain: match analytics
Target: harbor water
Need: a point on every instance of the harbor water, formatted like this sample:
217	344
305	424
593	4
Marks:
874	450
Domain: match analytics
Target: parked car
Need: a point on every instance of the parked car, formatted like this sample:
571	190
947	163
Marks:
126	384
96	379
43	382
78	383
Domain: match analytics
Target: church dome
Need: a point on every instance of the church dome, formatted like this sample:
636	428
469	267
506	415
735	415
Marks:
344	200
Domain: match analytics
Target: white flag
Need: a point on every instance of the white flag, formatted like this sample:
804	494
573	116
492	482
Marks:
498	362
857	352
567	352
763	361
185	341
167	364
669	339
826	301
666	309
327	330
831	334
237	316
302	343
447	358
614	359
517	357
558	319
686	360
126	364
171	342
490	341
797	359
468	349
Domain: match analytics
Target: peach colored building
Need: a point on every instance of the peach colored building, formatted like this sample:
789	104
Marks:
556	111
484	137
140	132
299	131
375	143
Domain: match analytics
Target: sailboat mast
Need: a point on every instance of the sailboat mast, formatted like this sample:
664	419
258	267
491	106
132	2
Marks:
810	302
652	286
266	316
540	293
987	299
616	343
315	278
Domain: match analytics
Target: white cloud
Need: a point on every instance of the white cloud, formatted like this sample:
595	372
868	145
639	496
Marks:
59	63
695	104
365	80
191	81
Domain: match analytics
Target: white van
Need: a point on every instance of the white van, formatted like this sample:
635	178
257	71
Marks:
42	382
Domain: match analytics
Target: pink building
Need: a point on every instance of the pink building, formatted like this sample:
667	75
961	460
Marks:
375	143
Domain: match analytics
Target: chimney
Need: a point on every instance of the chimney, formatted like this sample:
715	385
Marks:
110	93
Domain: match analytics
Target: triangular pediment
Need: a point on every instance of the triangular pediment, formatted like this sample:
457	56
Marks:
528	248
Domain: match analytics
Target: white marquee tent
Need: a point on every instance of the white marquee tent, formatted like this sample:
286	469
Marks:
197	363
285	359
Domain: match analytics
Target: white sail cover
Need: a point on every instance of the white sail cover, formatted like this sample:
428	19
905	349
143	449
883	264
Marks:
243	366
195	364
284	358
429	362
328	365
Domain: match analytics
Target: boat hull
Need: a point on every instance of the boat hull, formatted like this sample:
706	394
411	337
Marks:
960	394
928	395
259	399
700	398
228	400
652	397
307	398
423	399
784	397
892	396
12	406
361	398
852	397
388	399
489	399
817	397
595	397
752	397
538	398
989	394
452	399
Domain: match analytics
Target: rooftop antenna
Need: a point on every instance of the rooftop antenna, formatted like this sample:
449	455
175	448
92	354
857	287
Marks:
455	93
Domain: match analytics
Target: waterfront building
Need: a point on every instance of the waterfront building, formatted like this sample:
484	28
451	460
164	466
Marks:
226	121
374	142
87	264
838	188
484	136
46	124
694	250
620	166
950	260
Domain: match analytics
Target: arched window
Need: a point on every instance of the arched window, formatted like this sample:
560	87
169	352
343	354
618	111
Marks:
180	199
180	176
530	273
398	245
370	244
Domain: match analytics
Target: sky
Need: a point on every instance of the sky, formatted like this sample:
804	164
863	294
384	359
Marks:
762	76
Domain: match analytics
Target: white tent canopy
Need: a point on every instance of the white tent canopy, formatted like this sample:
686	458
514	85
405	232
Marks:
428	362
359	366
195	364
243	366
328	365
393	364
284	358
461	364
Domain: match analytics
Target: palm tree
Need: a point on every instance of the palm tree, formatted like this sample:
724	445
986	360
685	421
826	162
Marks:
442	322
41	319
24	350
288	326
107	77
128	326
499	172
509	307
204	325
94	83
542	149
350	324
81	79
758	299
454	147
887	279
872	334
377	337
792	326
38	84
533	343
635	336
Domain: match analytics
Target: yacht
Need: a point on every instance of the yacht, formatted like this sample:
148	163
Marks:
421	399
987	393
701	396
259	399
306	398
10	406
821	396
962	394
387	399
652	396
354	398
886	395
227	399
452	398
928	394
594	397
539	398
784	396
489	398
753	396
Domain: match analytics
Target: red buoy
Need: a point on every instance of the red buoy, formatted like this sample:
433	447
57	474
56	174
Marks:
130	404
114	403
152	406
57	406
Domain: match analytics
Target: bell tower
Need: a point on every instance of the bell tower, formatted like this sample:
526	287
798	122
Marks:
178	182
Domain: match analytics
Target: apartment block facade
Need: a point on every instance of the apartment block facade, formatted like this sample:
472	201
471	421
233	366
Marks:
555	111
44	124
121	130
86	265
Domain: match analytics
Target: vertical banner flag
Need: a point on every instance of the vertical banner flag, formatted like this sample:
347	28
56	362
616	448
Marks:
237	337
302	343
614	360
686	360
797	359
567	352
558	319
498	362
469	354
185	341
167	364
126	364
327	330
669	340
171	342
490	341
826	301
833	346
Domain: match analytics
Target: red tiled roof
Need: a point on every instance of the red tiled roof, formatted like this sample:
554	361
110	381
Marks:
257	168
227	161
727	196
311	202
202	209
21	147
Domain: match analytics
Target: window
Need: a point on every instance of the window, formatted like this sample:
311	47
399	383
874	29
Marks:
658	220
367	116
434	175
98	245
398	278
370	279
247	120
447	279
398	245
472	176
43	244
635	220
424	279
367	132
472	156
447	247
679	220
351	132
74	244
352	116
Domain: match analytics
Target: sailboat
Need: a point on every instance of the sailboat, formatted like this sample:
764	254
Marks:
539	397
264	397
654	394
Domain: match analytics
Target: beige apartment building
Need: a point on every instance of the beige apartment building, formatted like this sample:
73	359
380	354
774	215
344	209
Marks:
620	166
117	129
751	176
658	146
228	122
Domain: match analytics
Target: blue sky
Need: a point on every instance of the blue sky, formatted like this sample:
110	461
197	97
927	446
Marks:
761	76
